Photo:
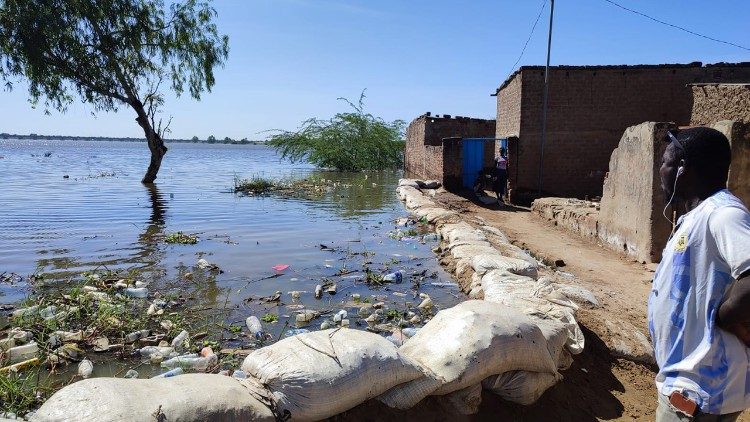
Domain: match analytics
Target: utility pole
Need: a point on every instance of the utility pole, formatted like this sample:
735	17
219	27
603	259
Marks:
546	93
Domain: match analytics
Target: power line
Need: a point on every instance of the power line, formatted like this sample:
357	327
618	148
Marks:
676	26
544	4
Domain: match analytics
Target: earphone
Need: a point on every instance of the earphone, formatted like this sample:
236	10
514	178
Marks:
680	170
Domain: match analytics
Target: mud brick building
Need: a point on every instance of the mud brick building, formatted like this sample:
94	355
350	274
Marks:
435	147
589	109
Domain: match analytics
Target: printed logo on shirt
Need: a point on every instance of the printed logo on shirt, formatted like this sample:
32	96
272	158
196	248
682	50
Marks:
681	244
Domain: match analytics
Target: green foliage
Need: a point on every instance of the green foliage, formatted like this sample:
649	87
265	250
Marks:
109	52
181	238
20	393
270	318
255	185
350	141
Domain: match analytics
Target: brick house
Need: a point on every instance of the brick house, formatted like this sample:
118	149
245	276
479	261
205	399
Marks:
435	147
589	109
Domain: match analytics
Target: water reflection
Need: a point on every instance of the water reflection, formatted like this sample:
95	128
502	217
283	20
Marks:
356	194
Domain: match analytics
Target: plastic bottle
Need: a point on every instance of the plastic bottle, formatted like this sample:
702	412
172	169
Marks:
171	373
132	373
179	341
150	350
22	353
396	277
318	291
137	292
135	335
85	368
254	326
191	361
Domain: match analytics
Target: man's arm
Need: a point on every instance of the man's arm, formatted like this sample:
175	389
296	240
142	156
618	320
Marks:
734	311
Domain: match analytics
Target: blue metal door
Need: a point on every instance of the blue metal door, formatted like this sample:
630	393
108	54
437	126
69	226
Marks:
473	157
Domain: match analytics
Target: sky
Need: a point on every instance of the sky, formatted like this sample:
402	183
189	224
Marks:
290	60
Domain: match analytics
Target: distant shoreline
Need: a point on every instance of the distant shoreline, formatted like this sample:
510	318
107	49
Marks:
36	137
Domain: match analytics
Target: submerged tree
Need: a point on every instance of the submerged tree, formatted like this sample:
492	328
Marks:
349	141
111	53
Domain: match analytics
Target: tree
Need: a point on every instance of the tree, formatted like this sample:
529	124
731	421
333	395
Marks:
195	139
211	139
349	141
111	53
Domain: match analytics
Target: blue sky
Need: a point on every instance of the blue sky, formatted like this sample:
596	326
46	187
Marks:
291	59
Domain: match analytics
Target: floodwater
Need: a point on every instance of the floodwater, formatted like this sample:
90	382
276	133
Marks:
73	206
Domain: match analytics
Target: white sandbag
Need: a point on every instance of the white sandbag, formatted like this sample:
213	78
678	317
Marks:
487	262
465	344
414	202
471	250
316	375
464	234
522	387
190	397
408	182
531	298
556	334
501	237
513	251
429	184
465	401
446	230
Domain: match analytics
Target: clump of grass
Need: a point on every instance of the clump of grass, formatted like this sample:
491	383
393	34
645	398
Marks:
181	238
254	185
393	314
20	393
270	318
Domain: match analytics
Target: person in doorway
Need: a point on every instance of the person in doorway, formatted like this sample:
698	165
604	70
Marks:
699	306
479	184
500	177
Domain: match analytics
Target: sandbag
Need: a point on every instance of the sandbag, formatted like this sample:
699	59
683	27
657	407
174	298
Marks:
429	184
522	387
190	397
532	298
316	375
467	343
487	262
471	250
408	182
465	401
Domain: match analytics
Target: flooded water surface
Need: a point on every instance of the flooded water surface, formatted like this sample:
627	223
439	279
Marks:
72	207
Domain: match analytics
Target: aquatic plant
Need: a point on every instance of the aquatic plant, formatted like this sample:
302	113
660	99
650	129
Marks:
350	141
181	238
254	185
270	318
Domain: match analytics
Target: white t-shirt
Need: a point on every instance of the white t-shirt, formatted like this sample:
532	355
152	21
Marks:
708	251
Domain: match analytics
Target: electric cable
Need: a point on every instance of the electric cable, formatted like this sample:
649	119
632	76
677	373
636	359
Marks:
544	4
676	26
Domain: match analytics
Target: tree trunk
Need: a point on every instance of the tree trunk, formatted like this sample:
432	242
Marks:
155	143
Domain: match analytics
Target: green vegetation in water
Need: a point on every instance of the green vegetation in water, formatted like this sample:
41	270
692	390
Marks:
393	314
270	318
350	141
254	185
181	238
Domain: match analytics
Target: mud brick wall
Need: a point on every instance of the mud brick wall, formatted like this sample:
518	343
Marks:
738	134
425	157
630	218
712	103
589	108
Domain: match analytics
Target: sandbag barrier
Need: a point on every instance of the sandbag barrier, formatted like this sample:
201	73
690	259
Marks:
512	338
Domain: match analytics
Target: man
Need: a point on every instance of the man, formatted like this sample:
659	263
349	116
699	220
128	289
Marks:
700	301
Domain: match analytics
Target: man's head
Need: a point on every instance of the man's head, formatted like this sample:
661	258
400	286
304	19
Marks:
696	162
